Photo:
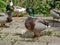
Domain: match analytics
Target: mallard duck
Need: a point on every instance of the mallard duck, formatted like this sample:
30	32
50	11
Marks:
17	9
54	12
36	26
4	18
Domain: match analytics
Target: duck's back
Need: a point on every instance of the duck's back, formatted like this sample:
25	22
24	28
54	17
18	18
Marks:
54	14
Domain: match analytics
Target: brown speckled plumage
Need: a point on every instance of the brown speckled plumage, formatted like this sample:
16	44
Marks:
36	25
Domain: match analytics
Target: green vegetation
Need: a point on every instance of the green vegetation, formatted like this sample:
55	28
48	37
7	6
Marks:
39	6
1	38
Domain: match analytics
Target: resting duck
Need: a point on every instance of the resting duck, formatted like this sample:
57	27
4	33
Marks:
17	9
54	12
36	26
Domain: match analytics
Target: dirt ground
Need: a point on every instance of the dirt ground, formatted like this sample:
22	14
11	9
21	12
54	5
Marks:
16	34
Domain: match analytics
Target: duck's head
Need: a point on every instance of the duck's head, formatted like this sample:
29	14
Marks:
30	11
52	5
11	3
10	6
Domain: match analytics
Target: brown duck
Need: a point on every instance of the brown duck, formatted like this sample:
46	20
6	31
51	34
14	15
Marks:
36	26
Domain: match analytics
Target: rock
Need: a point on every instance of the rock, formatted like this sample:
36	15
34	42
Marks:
54	44
50	39
29	43
5	42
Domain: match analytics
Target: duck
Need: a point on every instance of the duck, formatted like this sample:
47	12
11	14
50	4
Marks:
4	18
17	9
9	6
55	13
35	25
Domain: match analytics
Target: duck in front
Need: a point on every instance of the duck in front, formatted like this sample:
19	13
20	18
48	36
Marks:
36	25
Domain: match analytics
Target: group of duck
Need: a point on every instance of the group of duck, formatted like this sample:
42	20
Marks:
31	23
6	16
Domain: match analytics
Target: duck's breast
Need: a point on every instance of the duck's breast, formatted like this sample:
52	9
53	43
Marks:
3	17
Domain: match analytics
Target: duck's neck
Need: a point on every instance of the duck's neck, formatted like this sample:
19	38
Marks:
31	16
9	13
11	3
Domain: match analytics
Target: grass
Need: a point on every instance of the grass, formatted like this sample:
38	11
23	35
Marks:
20	15
1	38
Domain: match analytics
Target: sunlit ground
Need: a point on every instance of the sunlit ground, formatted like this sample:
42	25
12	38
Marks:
16	34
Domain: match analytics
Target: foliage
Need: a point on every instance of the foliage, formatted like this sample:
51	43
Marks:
39	6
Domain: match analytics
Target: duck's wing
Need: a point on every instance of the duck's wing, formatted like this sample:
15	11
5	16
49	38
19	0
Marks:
40	26
54	14
19	9
2	13
57	11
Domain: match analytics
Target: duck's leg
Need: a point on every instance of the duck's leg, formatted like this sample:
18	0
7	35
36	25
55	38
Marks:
17	14
53	21
34	38
3	25
38	36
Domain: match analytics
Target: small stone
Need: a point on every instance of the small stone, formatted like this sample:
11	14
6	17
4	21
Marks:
5	42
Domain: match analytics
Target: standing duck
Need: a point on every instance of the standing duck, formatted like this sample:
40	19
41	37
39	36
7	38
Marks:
17	9
4	18
36	26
